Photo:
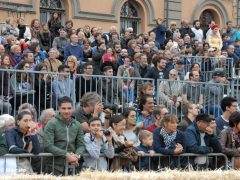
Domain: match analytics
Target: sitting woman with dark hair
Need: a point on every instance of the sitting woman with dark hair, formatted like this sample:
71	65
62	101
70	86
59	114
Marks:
22	85
19	140
120	143
131	131
230	139
168	140
43	84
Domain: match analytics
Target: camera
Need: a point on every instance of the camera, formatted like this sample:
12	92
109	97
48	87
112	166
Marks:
112	107
106	132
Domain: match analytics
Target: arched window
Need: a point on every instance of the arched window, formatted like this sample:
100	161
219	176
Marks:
130	17
47	7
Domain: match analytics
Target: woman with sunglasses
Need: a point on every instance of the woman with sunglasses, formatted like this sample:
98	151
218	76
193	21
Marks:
171	92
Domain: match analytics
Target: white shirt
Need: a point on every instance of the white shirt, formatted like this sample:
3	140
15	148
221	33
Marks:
198	34
201	159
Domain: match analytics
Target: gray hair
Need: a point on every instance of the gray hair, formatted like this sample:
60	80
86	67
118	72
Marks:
173	71
54	49
30	107
6	119
45	114
90	98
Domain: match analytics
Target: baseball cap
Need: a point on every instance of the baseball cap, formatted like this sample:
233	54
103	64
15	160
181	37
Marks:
204	117
211	49
218	73
180	62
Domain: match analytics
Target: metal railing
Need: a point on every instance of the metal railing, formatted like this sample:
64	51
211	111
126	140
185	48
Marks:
209	64
43	89
175	93
154	162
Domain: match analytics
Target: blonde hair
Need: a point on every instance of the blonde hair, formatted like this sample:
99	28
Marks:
74	59
10	38
143	134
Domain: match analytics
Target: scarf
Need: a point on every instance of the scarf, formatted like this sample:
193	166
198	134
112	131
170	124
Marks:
119	140
22	30
35	32
168	138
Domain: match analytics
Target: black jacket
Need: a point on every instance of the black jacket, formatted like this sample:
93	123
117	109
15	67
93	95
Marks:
155	74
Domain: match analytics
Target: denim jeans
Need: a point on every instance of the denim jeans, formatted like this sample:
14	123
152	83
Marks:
129	94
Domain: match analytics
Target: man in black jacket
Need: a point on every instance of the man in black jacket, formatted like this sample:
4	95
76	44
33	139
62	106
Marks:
159	70
108	87
185	29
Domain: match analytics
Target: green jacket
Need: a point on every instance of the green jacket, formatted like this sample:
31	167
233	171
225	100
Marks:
60	138
3	144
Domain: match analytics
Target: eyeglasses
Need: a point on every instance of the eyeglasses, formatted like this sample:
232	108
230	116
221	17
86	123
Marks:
172	74
89	68
234	105
27	67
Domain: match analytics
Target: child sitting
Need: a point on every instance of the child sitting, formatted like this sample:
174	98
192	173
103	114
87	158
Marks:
145	147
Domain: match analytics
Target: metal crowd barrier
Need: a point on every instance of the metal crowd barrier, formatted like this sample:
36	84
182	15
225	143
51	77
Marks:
155	162
110	89
209	64
43	89
175	93
25	155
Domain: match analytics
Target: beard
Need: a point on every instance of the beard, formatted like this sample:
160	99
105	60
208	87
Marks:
197	27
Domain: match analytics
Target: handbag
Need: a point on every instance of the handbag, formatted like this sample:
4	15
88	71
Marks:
129	154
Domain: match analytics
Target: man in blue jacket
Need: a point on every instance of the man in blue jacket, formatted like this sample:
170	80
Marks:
200	141
160	31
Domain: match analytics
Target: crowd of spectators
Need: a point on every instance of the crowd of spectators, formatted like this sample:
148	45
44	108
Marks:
58	69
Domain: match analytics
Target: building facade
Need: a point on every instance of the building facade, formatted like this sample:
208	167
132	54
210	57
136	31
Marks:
139	14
